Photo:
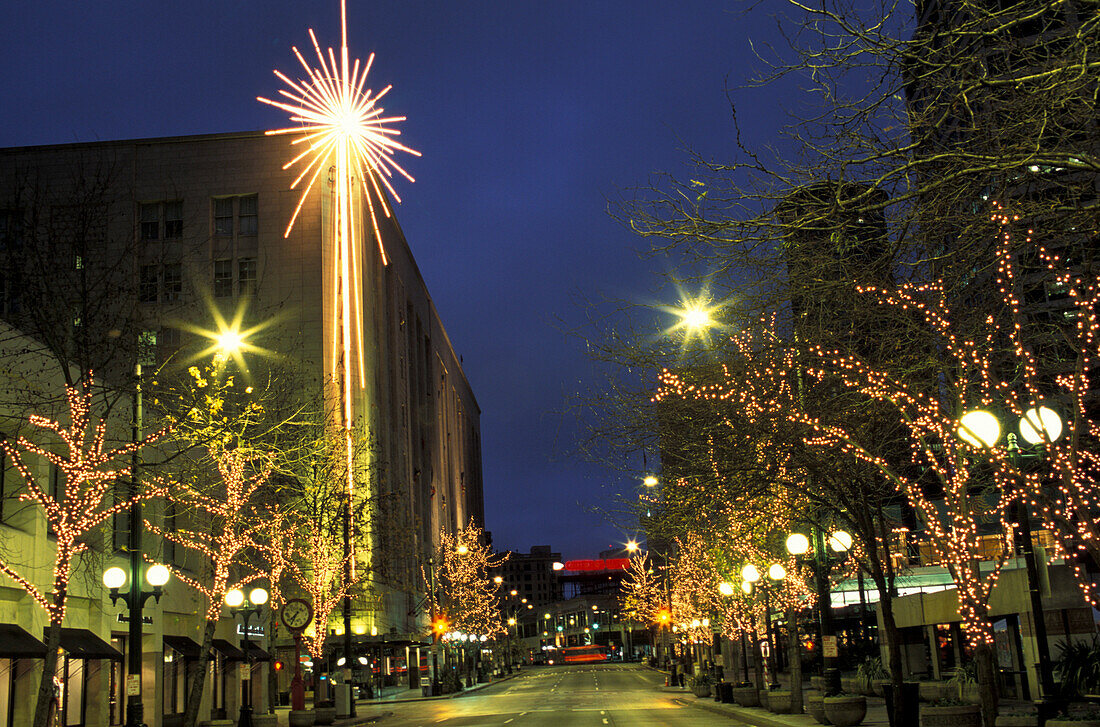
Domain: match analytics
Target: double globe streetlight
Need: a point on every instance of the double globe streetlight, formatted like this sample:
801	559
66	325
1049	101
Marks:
238	604
155	577
839	542
750	576
1040	425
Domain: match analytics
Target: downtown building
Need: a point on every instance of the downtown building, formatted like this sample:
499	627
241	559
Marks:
190	226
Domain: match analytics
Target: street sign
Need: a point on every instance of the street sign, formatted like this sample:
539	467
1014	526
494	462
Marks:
828	647
133	685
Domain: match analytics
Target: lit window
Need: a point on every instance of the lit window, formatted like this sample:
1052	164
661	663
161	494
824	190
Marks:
223	278
150	221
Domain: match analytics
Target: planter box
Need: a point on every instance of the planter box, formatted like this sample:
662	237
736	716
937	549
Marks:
703	690
933	691
301	718
779	701
964	715
217	723
815	706
1073	722
265	720
1020	720
746	696
324	715
845	711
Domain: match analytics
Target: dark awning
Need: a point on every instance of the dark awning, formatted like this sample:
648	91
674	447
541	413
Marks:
228	650
184	645
15	643
255	653
83	644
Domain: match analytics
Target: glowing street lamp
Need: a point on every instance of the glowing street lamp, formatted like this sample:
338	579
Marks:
247	608
1040	425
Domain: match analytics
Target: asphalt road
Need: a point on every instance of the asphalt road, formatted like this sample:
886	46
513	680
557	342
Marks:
611	695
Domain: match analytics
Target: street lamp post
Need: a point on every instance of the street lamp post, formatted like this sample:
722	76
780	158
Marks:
839	542
1039	424
237	603
114	578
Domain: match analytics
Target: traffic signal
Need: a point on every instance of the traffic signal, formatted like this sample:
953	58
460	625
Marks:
279	666
663	616
440	626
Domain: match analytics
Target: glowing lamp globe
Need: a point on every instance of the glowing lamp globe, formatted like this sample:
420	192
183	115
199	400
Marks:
234	598
798	544
363	660
695	623
777	572
114	577
840	541
546	615
462	549
750	574
498	580
726	589
650	481
979	428
258	596
511	622
1040	424
229	341
746	587
157	575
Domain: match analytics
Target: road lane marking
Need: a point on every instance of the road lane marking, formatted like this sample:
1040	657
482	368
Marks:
508	720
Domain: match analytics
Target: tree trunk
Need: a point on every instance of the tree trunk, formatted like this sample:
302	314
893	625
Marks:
987	684
794	653
197	675
49	669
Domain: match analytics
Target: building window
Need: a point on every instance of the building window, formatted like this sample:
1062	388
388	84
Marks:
247	215
150	221
223	278
223	217
148	287
173	281
173	219
246	276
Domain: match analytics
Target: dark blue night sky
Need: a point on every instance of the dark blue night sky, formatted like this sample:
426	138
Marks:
530	117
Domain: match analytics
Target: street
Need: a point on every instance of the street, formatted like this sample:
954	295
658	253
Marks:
585	695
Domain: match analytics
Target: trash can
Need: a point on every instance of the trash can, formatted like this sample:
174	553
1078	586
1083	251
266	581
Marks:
910	698
343	700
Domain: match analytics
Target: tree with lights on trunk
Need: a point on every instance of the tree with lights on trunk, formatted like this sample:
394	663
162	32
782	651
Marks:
84	500
465	597
221	541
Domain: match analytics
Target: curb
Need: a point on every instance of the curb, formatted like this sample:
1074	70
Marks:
454	695
734	713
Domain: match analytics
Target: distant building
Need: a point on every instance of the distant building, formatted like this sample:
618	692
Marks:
529	578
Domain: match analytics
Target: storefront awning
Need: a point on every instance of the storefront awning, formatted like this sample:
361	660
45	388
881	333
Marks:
83	644
228	650
255	653
185	646
15	643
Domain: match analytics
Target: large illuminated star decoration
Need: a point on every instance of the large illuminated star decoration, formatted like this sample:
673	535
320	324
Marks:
342	128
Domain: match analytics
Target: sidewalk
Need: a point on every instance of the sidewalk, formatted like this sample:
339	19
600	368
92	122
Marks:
876	712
